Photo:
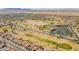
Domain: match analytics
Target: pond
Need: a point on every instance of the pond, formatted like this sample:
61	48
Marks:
62	31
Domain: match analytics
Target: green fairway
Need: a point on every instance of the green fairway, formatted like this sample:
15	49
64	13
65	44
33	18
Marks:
63	45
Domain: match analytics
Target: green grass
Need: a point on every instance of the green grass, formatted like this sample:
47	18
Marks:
41	39
63	45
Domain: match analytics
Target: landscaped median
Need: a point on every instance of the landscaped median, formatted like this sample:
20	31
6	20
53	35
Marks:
60	45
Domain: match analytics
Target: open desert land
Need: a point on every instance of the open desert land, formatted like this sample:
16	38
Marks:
56	13
39	31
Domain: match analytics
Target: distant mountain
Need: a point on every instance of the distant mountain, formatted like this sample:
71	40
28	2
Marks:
41	9
15	9
58	9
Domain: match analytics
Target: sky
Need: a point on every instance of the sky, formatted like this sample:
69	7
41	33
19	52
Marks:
39	3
